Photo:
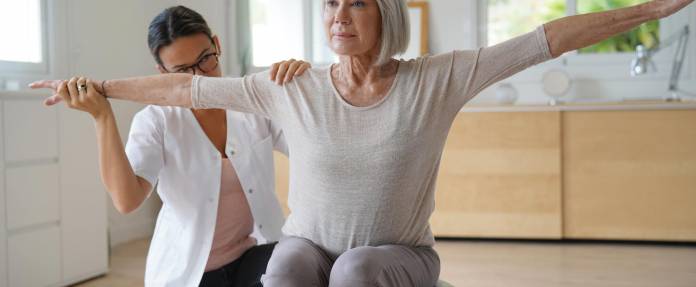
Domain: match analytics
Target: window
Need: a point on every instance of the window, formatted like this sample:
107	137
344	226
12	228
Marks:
646	34
274	30
22	29
510	18
285	29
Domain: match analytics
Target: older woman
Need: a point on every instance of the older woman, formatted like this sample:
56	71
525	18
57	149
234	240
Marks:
367	134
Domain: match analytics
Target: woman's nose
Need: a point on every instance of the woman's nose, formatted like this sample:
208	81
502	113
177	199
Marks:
342	16
342	21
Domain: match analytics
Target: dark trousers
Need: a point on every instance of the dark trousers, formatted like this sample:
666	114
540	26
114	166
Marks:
246	271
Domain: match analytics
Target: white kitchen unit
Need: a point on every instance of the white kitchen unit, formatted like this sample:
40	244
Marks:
53	216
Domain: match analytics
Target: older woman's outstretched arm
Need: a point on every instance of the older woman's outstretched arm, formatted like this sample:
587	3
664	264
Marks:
475	71
575	32
163	90
171	89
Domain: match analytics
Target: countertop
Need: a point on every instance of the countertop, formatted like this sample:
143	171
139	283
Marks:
630	105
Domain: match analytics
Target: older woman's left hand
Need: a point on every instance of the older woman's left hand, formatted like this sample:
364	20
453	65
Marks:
669	7
285	71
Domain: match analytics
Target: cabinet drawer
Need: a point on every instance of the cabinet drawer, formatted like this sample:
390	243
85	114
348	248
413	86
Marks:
32	195
30	130
34	258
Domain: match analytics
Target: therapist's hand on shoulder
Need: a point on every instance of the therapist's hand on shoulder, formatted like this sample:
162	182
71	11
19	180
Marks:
78	93
285	71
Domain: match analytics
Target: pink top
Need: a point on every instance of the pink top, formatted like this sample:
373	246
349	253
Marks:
234	223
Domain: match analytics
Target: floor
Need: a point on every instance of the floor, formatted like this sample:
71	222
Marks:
506	263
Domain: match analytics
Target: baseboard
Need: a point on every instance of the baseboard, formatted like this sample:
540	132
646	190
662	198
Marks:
126	233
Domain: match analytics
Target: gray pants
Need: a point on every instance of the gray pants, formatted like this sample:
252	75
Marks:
299	262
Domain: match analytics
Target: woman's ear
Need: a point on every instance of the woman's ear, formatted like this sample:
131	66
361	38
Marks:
216	40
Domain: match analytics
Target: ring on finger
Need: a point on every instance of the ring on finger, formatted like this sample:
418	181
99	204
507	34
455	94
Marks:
82	88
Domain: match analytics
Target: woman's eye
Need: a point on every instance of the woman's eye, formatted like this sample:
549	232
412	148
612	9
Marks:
331	3
205	58
359	4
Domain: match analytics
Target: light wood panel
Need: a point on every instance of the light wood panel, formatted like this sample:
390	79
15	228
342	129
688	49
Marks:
630	175
500	177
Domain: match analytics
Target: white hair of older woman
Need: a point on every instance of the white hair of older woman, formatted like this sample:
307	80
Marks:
396	29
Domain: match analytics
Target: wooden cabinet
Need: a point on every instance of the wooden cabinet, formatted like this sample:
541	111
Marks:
630	175
500	176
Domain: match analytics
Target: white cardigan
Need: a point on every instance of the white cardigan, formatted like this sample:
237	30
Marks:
167	147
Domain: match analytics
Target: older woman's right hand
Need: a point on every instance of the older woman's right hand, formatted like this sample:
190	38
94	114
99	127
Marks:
78	93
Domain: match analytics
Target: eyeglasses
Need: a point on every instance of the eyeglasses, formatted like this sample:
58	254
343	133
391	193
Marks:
206	64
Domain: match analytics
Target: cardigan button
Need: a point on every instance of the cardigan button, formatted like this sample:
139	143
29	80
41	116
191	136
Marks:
251	191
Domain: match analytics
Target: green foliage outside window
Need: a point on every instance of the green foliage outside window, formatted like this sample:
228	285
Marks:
647	34
510	18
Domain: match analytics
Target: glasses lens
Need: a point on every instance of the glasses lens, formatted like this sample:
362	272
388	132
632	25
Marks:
208	63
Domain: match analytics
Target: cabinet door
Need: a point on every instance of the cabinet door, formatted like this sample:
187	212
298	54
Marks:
500	177
32	195
34	258
30	131
630	175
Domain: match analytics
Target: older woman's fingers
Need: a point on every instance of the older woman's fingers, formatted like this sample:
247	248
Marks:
49	84
52	100
292	69
46	84
61	91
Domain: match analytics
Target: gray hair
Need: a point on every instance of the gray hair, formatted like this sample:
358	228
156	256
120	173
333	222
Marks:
396	29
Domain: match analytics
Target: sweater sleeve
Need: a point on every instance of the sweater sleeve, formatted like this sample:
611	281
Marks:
464	74
255	94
